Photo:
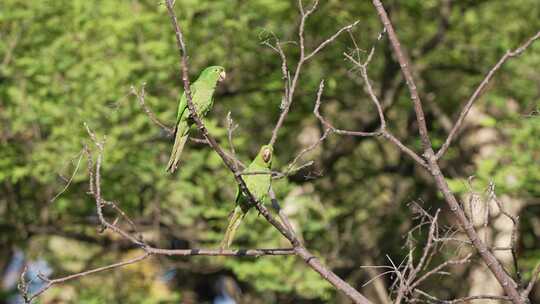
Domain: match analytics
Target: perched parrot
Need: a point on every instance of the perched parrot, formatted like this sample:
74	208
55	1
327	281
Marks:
201	93
258	185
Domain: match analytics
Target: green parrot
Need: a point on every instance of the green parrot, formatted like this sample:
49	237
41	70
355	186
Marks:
202	91
258	185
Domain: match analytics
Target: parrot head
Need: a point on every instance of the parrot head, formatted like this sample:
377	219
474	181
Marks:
265	155
214	73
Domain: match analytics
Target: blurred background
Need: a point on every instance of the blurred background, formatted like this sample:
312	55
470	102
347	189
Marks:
63	63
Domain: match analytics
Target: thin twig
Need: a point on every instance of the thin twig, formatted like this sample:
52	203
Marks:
331	39
140	97
96	191
68	183
327	124
437	269
292	165
427	248
125	217
381	132
480	89
419	160
303	58
50	283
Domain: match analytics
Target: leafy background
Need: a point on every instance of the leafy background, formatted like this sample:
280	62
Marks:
65	63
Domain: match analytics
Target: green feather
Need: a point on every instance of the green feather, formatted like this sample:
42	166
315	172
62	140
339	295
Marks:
258	185
202	91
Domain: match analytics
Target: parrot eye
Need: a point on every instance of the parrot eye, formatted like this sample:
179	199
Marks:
267	155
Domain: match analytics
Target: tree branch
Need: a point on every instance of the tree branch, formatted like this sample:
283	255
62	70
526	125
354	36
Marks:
480	90
50	283
534	278
140	97
291	84
507	283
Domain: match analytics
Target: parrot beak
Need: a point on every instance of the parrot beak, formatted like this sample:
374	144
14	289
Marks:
222	76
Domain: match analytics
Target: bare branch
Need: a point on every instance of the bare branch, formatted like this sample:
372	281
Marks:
290	85
437	269
292	166
368	87
375	100
328	125
404	148
286	75
480	89
427	248
407	74
409	273
382	130
50	283
331	39
140	97
125	217
534	278
148	251
95	190
507	282
68	182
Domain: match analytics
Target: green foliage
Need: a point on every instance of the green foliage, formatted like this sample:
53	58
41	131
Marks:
66	63
267	274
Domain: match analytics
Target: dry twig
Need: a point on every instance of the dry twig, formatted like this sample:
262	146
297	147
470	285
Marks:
291	84
140	97
480	89
508	284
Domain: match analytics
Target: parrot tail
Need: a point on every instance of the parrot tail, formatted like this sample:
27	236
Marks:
235	219
180	139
